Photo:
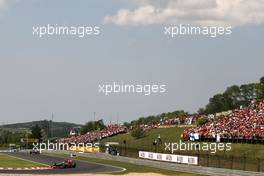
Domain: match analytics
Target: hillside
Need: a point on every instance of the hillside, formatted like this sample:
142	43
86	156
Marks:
241	156
58	129
172	135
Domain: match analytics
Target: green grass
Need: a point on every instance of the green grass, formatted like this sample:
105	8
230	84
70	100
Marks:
242	156
130	168
9	161
170	135
167	135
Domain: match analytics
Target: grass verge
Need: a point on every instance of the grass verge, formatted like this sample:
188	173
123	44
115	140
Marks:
7	161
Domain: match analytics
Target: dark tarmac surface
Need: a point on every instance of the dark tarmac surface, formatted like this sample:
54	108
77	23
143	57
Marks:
82	166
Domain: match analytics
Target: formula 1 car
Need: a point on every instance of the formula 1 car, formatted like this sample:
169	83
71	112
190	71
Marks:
65	164
34	152
112	150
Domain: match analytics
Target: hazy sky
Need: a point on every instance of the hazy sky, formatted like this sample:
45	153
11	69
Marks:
61	74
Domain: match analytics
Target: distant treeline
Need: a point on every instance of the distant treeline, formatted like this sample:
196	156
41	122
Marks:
156	118
8	137
50	128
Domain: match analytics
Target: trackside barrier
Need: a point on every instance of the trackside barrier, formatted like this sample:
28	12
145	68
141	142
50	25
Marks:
4	151
169	157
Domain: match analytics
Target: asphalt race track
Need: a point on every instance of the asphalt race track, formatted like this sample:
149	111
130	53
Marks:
82	166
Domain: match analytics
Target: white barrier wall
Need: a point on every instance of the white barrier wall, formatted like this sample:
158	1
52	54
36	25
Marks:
169	157
5	151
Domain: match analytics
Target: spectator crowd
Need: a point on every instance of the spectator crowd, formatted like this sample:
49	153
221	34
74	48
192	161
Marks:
89	137
169	122
244	124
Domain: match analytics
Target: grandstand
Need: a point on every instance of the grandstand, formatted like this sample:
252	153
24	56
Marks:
239	125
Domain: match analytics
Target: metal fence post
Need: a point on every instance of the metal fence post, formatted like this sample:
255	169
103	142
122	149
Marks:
207	162
258	159
232	162
244	164
219	161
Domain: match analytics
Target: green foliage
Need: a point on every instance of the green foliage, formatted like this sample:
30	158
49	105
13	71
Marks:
235	96
201	111
92	126
157	118
260	89
201	121
138	133
261	80
126	124
36	132
58	129
8	137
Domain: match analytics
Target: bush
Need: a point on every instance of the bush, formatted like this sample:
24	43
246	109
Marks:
138	133
201	121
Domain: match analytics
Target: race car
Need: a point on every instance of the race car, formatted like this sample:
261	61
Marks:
34	152
65	164
111	149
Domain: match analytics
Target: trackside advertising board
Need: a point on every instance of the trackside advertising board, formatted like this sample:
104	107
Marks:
169	157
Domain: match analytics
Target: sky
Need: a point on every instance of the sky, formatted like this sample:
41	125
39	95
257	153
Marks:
60	75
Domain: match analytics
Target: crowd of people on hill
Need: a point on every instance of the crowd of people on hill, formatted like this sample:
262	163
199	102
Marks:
114	129
169	122
89	137
244	123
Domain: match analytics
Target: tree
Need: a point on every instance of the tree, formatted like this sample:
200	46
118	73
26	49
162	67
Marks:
232	97
260	90
248	93
8	137
138	132
156	118
216	104
126	124
201	121
36	132
201	111
92	126
261	80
